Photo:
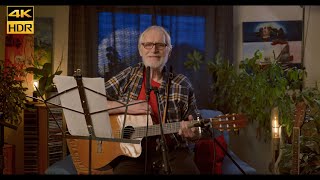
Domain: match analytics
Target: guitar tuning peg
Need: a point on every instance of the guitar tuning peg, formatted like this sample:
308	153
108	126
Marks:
227	127
220	125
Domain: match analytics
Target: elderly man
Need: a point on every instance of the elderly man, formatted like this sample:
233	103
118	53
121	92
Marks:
171	99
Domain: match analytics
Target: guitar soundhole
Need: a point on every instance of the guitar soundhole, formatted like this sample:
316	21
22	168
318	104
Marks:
128	131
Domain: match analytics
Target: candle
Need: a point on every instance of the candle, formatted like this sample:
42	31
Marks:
275	122
35	84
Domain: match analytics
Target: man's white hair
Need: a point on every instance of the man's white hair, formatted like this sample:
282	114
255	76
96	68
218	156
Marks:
167	36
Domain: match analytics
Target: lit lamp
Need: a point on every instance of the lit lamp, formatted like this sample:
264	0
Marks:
275	124
275	136
35	92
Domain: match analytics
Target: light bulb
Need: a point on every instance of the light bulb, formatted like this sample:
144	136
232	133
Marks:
35	84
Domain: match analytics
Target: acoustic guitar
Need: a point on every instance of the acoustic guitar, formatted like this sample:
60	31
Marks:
103	152
298	121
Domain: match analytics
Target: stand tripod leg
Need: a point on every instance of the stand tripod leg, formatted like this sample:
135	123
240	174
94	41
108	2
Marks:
225	151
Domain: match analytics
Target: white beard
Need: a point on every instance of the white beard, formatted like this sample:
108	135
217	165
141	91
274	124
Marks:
155	65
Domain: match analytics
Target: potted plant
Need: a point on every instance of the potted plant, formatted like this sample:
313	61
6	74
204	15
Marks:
257	88
309	146
12	94
45	76
261	87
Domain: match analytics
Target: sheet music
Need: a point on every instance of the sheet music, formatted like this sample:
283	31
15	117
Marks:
76	122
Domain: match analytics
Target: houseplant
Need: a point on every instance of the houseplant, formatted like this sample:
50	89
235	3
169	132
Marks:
45	76
257	88
12	93
309	140
260	87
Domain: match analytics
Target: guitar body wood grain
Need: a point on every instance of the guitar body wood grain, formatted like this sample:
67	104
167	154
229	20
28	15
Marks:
103	152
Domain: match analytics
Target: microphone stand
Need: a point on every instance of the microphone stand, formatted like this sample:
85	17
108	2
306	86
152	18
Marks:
148	91
215	141
163	144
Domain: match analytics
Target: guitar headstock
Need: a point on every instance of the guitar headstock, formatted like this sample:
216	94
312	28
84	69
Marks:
300	112
229	122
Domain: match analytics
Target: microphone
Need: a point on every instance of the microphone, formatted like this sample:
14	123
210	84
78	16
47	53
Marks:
148	81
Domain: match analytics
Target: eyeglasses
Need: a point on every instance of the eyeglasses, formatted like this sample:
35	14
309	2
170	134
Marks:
149	45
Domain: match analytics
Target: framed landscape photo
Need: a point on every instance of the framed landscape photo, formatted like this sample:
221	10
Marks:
277	40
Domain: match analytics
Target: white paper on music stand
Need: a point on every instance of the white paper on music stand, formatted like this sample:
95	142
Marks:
76	122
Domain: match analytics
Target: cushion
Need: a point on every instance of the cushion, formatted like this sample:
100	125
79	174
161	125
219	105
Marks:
64	166
208	153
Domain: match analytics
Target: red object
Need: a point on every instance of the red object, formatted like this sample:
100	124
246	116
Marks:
152	100
9	159
204	155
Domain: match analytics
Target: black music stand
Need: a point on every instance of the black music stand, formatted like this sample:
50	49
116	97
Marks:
87	114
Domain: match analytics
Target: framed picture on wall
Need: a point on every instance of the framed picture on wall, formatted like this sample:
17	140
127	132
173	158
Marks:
43	41
279	41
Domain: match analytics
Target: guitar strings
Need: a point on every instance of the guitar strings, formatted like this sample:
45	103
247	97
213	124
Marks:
155	129
169	128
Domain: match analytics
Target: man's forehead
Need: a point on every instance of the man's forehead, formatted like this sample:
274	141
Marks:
154	34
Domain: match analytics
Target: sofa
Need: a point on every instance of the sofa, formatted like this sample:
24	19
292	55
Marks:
66	166
228	166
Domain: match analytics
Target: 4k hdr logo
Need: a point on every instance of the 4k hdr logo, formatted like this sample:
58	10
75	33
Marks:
20	20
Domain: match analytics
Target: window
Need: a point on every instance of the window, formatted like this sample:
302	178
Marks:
114	32
119	34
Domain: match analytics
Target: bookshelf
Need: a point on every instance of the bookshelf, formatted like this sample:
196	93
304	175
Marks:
44	143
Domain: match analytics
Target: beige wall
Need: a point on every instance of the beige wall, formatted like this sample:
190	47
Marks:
257	153
312	49
60	15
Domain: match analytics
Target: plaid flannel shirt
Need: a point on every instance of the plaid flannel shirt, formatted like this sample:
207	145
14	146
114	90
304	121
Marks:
181	101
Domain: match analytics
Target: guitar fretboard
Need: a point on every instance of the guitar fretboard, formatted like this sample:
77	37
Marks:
175	126
295	150
155	130
299	117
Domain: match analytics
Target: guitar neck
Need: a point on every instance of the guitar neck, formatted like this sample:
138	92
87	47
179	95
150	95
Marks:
174	127
295	150
299	117
168	128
